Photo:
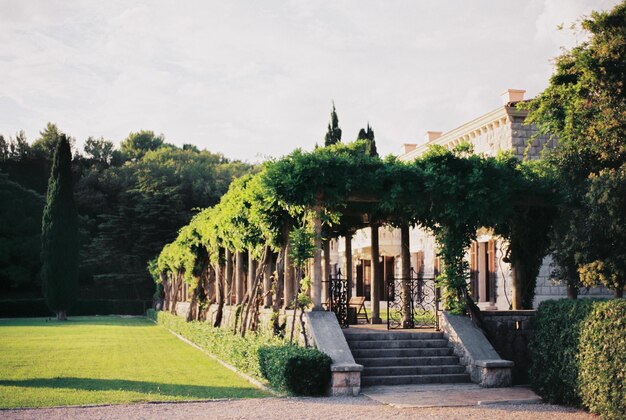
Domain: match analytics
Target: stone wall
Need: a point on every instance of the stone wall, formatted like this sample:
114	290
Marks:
509	333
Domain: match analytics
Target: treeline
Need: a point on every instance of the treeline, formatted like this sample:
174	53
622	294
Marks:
131	200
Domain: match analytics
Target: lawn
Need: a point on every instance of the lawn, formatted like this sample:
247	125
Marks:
106	360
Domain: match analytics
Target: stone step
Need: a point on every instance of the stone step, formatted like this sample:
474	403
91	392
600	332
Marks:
399	352
394	344
412	370
357	336
407	361
415	379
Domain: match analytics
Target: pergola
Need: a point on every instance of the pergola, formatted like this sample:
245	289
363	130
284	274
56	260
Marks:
339	189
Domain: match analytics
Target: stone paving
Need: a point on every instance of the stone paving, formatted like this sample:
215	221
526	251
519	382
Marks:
449	395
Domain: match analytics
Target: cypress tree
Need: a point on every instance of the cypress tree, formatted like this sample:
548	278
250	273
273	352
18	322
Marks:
333	135
368	136
59	235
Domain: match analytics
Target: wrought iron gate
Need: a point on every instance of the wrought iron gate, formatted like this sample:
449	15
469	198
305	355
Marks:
412	303
338	298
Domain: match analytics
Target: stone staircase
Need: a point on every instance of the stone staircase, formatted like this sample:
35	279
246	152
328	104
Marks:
402	358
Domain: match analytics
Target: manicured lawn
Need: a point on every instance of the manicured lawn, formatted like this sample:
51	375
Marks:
102	360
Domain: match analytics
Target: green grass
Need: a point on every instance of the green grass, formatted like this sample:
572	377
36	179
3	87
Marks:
106	360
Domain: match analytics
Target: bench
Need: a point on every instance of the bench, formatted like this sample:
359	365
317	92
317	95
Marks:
358	303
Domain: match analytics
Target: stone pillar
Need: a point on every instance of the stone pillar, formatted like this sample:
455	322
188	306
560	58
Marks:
251	274
316	286
228	279
405	255
267	279
348	273
376	277
289	279
240	256
326	274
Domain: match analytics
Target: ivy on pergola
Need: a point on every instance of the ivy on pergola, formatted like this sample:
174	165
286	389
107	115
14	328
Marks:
450	193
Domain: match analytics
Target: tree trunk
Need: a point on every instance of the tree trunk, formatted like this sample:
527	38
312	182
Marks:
572	292
619	292
280	279
61	316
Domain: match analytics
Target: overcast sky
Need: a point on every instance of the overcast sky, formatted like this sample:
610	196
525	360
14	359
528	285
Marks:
257	78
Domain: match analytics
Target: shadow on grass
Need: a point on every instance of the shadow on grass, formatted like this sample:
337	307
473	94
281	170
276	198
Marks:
171	390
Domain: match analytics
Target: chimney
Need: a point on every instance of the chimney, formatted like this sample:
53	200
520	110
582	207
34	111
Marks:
408	147
432	135
512	95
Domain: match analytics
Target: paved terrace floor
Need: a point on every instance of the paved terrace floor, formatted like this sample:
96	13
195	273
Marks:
360	407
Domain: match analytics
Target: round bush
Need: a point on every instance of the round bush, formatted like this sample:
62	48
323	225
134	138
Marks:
602	360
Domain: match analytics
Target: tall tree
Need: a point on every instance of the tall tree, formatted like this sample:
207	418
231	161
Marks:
138	144
367	134
333	135
585	107
59	235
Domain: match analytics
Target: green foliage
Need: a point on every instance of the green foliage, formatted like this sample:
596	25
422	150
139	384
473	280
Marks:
368	136
584	108
603	260
602	360
554	348
59	235
452	193
241	352
296	370
20	235
302	246
333	135
99	150
136	145
44	147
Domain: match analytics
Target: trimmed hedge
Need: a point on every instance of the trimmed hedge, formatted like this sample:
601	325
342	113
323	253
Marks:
296	370
602	360
243	353
553	348
578	354
20	308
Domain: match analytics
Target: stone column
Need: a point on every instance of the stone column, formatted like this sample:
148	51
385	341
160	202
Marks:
267	279
348	273
316	287
376	277
289	279
405	255
251	274
228	279
240	256
326	271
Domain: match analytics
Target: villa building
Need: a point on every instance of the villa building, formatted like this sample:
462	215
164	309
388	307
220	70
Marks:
502	129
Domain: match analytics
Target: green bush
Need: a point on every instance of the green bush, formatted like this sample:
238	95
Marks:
19	308
602	360
241	352
294	369
553	349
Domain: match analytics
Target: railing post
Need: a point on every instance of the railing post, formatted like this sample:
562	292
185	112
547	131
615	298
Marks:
405	249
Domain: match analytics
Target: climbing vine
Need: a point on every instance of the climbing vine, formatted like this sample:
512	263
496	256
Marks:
452	193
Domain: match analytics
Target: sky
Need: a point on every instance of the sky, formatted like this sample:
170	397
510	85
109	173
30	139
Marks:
257	79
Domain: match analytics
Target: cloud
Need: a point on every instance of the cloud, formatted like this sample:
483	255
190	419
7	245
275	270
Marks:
250	79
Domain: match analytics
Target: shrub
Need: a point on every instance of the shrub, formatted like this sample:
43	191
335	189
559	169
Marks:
241	352
553	348
602	359
294	369
37	307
